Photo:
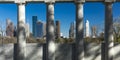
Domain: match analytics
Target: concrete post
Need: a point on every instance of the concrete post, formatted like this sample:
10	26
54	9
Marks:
79	43
21	37
49	53
103	51
108	31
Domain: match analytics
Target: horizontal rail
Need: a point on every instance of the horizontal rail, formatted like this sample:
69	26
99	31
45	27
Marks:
42	1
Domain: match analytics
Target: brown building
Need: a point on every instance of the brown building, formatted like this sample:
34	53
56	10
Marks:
57	29
10	29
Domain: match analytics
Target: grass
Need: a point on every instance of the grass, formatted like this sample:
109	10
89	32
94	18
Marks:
7	40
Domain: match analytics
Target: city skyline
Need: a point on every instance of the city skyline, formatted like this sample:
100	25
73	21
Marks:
65	12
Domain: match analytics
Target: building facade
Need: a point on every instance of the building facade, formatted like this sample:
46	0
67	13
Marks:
94	31
57	29
9	28
40	29
34	22
44	29
71	30
87	29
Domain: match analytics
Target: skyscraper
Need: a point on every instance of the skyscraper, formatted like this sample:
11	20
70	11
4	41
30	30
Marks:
87	30
40	29
9	28
8	21
57	29
34	22
71	31
44	29
94	33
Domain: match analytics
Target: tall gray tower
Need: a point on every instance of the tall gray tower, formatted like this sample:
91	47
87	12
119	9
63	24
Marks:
71	31
57	29
94	31
87	29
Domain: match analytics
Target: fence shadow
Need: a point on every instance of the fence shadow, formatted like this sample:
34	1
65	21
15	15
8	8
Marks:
34	51
63	51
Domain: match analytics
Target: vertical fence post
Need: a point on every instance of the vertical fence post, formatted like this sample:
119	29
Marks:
20	47
103	51
49	47
79	42
108	31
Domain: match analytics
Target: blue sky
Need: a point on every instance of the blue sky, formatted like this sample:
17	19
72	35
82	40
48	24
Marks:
65	12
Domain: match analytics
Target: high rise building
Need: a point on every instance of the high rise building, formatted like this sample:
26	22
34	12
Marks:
94	33
9	28
44	29
34	22
8	21
57	29
27	30
71	31
87	29
40	29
